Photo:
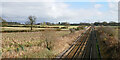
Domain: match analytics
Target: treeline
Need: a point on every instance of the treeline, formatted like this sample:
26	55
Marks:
106	24
65	23
87	24
5	23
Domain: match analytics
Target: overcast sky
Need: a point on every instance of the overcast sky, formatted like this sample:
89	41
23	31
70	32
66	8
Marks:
73	11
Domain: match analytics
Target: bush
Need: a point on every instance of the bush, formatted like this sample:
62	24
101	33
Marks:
49	44
64	27
78	28
72	30
82	27
58	29
4	25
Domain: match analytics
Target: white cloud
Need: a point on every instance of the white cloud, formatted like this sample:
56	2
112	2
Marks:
92	0
47	10
28	0
52	11
97	6
59	0
113	0
113	6
99	13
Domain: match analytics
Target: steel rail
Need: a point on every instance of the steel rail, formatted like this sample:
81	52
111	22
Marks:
76	47
70	47
77	42
80	46
80	50
88	50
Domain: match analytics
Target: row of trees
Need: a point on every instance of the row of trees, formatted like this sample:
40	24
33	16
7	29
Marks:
64	23
107	24
32	20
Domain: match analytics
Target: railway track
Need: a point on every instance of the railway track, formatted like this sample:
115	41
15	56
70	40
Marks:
86	46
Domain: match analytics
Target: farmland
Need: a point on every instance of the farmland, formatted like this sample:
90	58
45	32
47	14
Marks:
48	29
21	27
37	44
50	42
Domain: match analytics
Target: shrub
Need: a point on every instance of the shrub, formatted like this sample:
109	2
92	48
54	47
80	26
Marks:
4	25
82	27
78	28
64	27
72	30
58	29
49	44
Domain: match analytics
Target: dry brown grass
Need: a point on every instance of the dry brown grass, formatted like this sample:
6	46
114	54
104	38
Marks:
108	40
33	44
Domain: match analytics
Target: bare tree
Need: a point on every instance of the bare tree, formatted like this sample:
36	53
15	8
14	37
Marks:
32	20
